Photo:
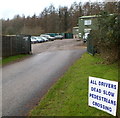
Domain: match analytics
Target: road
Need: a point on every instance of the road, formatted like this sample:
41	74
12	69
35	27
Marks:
25	82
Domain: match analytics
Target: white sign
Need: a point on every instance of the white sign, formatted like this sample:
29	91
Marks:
103	94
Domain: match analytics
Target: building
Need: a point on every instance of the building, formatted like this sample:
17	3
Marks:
86	24
76	32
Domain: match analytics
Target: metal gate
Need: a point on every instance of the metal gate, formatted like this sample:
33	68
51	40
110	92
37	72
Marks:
90	45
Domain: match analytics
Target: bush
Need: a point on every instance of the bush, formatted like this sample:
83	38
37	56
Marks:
107	38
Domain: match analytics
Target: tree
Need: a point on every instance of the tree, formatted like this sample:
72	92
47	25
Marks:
55	20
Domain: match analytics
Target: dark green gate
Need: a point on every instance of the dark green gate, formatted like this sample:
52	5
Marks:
90	45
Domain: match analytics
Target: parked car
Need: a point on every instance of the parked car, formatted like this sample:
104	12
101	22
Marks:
33	39
50	38
40	39
58	37
44	38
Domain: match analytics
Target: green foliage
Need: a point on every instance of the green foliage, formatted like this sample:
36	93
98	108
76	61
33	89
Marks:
107	38
108	24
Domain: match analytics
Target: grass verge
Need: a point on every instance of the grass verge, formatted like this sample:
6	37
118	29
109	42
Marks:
12	59
69	96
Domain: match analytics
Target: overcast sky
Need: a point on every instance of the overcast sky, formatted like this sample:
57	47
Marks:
10	8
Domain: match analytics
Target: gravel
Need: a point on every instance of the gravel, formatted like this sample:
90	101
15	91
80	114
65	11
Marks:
65	44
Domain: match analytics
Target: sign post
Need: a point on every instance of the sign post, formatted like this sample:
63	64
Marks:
103	95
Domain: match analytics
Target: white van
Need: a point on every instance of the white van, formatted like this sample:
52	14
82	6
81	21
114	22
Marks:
85	37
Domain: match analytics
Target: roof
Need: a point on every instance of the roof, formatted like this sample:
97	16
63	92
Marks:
75	27
92	16
8	35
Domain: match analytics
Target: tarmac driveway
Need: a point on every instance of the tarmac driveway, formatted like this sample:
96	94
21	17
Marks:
25	82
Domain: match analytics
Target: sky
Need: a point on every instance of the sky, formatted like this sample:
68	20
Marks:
10	8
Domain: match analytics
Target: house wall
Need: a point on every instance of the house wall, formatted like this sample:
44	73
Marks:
82	26
75	32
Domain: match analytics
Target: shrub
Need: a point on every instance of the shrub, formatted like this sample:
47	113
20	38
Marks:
107	38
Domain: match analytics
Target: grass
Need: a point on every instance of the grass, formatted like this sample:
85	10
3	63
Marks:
69	96
12	59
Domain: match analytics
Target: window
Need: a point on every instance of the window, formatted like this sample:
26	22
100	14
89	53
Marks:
77	30
87	30
87	22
